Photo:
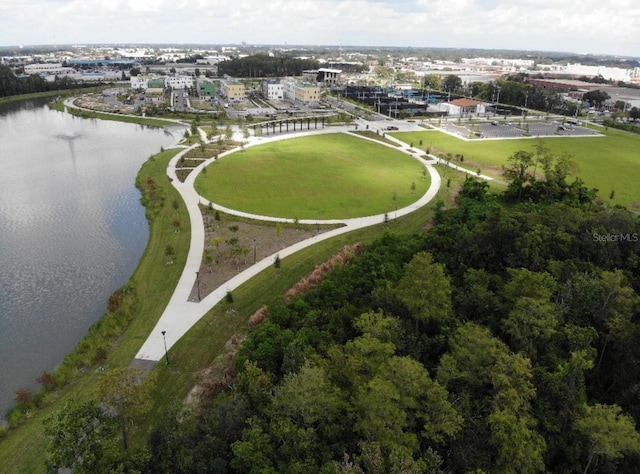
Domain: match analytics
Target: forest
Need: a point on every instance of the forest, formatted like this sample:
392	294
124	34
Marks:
11	85
263	65
503	339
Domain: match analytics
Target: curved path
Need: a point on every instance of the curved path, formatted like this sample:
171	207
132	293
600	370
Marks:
181	314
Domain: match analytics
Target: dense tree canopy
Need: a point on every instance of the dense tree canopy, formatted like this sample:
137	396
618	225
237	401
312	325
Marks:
502	340
262	65
11	85
505	339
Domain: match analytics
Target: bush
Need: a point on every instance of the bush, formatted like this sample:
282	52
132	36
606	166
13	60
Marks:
47	381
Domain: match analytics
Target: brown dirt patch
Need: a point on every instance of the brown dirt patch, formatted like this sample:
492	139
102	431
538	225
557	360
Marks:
237	241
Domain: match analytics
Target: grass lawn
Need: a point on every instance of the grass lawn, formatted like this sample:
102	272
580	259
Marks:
324	176
607	163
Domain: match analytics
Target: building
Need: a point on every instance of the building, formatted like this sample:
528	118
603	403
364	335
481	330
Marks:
329	76
231	89
464	107
564	85
608	73
139	83
272	90
304	92
181	81
47	69
207	89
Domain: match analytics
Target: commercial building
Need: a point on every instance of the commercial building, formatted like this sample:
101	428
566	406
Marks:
272	90
231	89
304	92
54	68
564	85
180	81
207	89
327	76
330	76
464	107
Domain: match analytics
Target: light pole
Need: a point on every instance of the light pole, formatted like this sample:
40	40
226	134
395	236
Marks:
166	354
198	284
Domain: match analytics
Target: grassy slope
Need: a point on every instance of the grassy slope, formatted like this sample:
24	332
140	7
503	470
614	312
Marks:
151	122
154	283
337	175
606	163
200	346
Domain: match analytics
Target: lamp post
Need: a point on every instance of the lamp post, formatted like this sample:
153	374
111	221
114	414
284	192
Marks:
198	284
254	251
166	354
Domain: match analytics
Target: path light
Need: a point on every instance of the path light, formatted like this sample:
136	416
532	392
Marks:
166	354
198	284
254	251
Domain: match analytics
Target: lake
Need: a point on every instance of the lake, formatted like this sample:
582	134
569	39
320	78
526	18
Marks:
72	230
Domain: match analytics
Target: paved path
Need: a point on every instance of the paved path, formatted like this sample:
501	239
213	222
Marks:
181	314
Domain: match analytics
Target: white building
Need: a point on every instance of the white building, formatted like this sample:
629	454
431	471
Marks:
609	73
463	108
272	90
179	82
139	82
54	68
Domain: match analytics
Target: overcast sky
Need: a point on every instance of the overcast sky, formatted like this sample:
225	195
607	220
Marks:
581	26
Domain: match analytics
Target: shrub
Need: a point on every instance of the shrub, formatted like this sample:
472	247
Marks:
47	381
321	271
258	317
23	397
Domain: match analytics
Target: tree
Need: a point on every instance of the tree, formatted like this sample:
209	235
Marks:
620	105
610	432
452	83
126	392
432	81
228	133
425	290
493	389
82	437
517	173
596	97
217	241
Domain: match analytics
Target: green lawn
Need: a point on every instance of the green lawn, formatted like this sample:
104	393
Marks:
611	162
324	176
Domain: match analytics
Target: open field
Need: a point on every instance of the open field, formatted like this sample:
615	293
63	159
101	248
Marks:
317	177
610	162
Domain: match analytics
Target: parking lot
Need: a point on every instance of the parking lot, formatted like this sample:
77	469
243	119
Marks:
502	130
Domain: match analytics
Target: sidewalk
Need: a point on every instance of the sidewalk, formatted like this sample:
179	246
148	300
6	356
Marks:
180	314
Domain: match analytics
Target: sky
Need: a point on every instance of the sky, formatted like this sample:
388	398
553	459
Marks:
578	26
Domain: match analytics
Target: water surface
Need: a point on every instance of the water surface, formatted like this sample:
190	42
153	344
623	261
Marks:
72	230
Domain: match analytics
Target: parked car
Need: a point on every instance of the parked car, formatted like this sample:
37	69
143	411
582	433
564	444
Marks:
392	127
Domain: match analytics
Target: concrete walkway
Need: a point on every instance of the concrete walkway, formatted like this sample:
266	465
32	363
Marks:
181	314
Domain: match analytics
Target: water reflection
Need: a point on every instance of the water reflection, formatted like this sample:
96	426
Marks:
71	231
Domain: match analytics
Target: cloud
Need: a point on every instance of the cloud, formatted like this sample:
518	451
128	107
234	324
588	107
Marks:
580	25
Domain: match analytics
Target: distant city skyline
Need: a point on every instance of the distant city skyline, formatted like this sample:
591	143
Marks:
577	26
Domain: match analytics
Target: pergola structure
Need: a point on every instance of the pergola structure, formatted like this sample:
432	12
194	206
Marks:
290	125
